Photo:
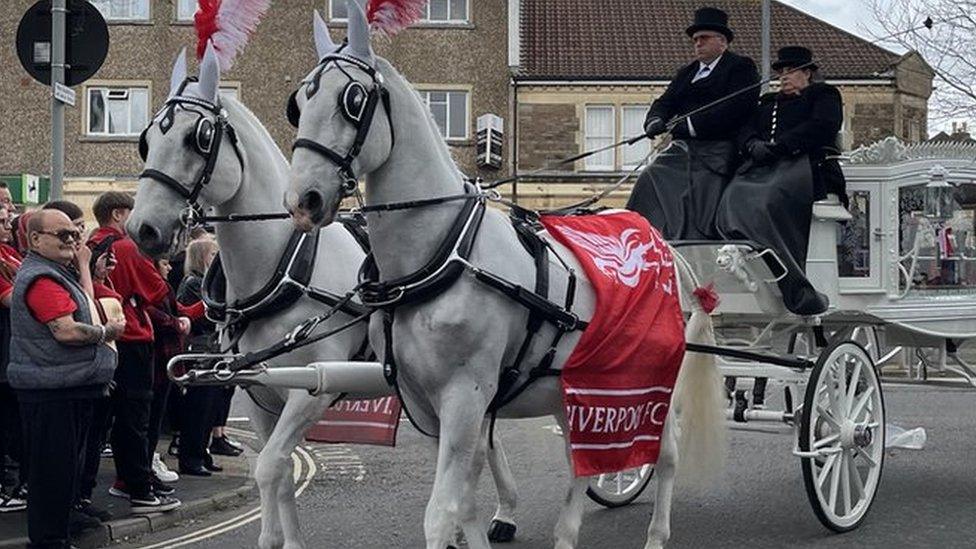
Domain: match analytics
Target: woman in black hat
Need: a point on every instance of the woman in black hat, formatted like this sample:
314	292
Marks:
790	144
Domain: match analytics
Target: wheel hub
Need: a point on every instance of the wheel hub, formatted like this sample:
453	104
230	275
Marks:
855	436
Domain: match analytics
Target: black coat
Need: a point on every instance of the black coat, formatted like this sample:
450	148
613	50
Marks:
805	124
723	121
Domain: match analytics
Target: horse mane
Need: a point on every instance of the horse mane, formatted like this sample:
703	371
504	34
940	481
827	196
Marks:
393	76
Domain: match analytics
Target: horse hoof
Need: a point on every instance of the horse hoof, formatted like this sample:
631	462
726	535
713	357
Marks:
501	532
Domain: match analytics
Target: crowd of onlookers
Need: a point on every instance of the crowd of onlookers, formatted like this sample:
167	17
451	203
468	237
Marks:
87	326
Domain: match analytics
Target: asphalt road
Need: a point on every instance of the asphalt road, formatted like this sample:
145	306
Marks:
364	497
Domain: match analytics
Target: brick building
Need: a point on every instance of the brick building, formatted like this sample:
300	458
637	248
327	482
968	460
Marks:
546	67
447	56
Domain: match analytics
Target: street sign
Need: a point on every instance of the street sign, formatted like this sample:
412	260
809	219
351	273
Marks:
64	94
86	42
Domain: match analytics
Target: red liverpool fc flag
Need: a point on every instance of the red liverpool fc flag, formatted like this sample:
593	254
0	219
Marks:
617	382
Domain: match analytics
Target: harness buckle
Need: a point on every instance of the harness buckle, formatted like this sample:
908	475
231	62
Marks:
190	216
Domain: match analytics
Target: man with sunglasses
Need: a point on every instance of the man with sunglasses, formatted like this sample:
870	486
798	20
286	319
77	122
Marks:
679	192
60	362
140	286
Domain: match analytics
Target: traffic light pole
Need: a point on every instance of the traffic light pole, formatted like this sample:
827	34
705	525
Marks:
58	16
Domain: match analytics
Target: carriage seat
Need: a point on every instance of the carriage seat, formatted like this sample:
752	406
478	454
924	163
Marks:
830	209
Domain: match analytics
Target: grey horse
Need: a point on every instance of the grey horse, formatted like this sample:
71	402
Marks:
249	177
452	347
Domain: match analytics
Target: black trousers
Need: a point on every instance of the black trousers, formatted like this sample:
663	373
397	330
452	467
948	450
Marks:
157	411
97	435
131	403
196	423
11	444
55	432
221	409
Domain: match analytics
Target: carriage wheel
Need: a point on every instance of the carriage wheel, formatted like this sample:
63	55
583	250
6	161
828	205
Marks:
842	433
620	489
869	338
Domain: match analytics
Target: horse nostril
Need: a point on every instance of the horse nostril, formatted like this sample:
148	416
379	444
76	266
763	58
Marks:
312	201
148	235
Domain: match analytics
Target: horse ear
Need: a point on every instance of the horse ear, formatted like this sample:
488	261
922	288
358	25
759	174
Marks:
179	73
359	46
323	40
209	74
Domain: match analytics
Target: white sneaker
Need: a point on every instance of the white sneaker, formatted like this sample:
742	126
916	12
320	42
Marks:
10	504
163	472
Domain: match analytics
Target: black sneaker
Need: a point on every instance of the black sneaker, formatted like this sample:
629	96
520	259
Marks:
160	488
153	504
86	507
78	521
10	503
174	446
219	446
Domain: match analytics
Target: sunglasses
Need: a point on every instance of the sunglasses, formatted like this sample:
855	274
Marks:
66	236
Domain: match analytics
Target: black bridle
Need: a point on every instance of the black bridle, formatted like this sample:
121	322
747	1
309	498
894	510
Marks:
358	105
206	140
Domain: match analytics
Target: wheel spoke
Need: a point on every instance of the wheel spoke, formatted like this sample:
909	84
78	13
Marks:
856	476
826	416
620	482
827	441
867	458
834	482
861	403
845	482
828	465
853	387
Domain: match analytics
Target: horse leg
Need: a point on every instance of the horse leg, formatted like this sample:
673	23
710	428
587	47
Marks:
271	536
665	469
571	516
274	468
461	419
503	527
469	507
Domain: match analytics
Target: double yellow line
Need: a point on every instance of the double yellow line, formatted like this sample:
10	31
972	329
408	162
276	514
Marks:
303	477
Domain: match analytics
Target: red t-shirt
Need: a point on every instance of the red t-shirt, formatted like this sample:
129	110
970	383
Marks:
9	256
48	300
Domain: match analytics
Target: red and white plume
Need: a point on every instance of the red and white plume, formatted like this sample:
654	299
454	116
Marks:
389	17
229	24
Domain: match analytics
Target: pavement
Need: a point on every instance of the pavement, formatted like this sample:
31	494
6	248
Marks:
230	488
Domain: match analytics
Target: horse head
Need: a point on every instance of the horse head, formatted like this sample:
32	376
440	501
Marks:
345	131
192	159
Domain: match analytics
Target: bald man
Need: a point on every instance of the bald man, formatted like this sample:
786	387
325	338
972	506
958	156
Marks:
60	362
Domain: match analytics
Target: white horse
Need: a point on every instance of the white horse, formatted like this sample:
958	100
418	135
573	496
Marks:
451	347
248	177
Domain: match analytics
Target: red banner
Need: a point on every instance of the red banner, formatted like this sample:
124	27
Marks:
359	422
617	382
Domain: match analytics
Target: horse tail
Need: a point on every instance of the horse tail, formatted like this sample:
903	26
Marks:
699	399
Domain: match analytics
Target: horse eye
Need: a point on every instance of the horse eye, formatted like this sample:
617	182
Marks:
355	99
205	134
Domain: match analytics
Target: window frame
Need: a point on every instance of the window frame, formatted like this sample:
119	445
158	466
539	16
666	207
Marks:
587	162
130	20
128	85
176	13
425	21
622	151
426	89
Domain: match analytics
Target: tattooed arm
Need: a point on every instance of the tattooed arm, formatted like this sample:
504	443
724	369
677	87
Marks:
68	331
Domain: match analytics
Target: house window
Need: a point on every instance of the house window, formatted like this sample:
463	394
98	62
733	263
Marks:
117	111
599	131
123	10
632	122
436	11
233	92
185	9
450	110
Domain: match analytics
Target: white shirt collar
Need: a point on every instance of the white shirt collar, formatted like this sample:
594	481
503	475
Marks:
711	66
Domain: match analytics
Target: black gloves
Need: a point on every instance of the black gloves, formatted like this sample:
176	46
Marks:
654	127
761	151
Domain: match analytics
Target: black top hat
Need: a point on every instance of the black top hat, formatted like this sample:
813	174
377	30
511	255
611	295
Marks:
712	19
794	57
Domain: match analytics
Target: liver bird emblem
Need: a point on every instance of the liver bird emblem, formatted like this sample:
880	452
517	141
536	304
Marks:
622	258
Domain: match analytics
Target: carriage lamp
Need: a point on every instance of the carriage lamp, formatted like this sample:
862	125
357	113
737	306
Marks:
940	195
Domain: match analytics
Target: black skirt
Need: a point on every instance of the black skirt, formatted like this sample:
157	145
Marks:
773	206
679	193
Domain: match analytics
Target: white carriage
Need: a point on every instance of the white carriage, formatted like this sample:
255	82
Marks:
902	290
